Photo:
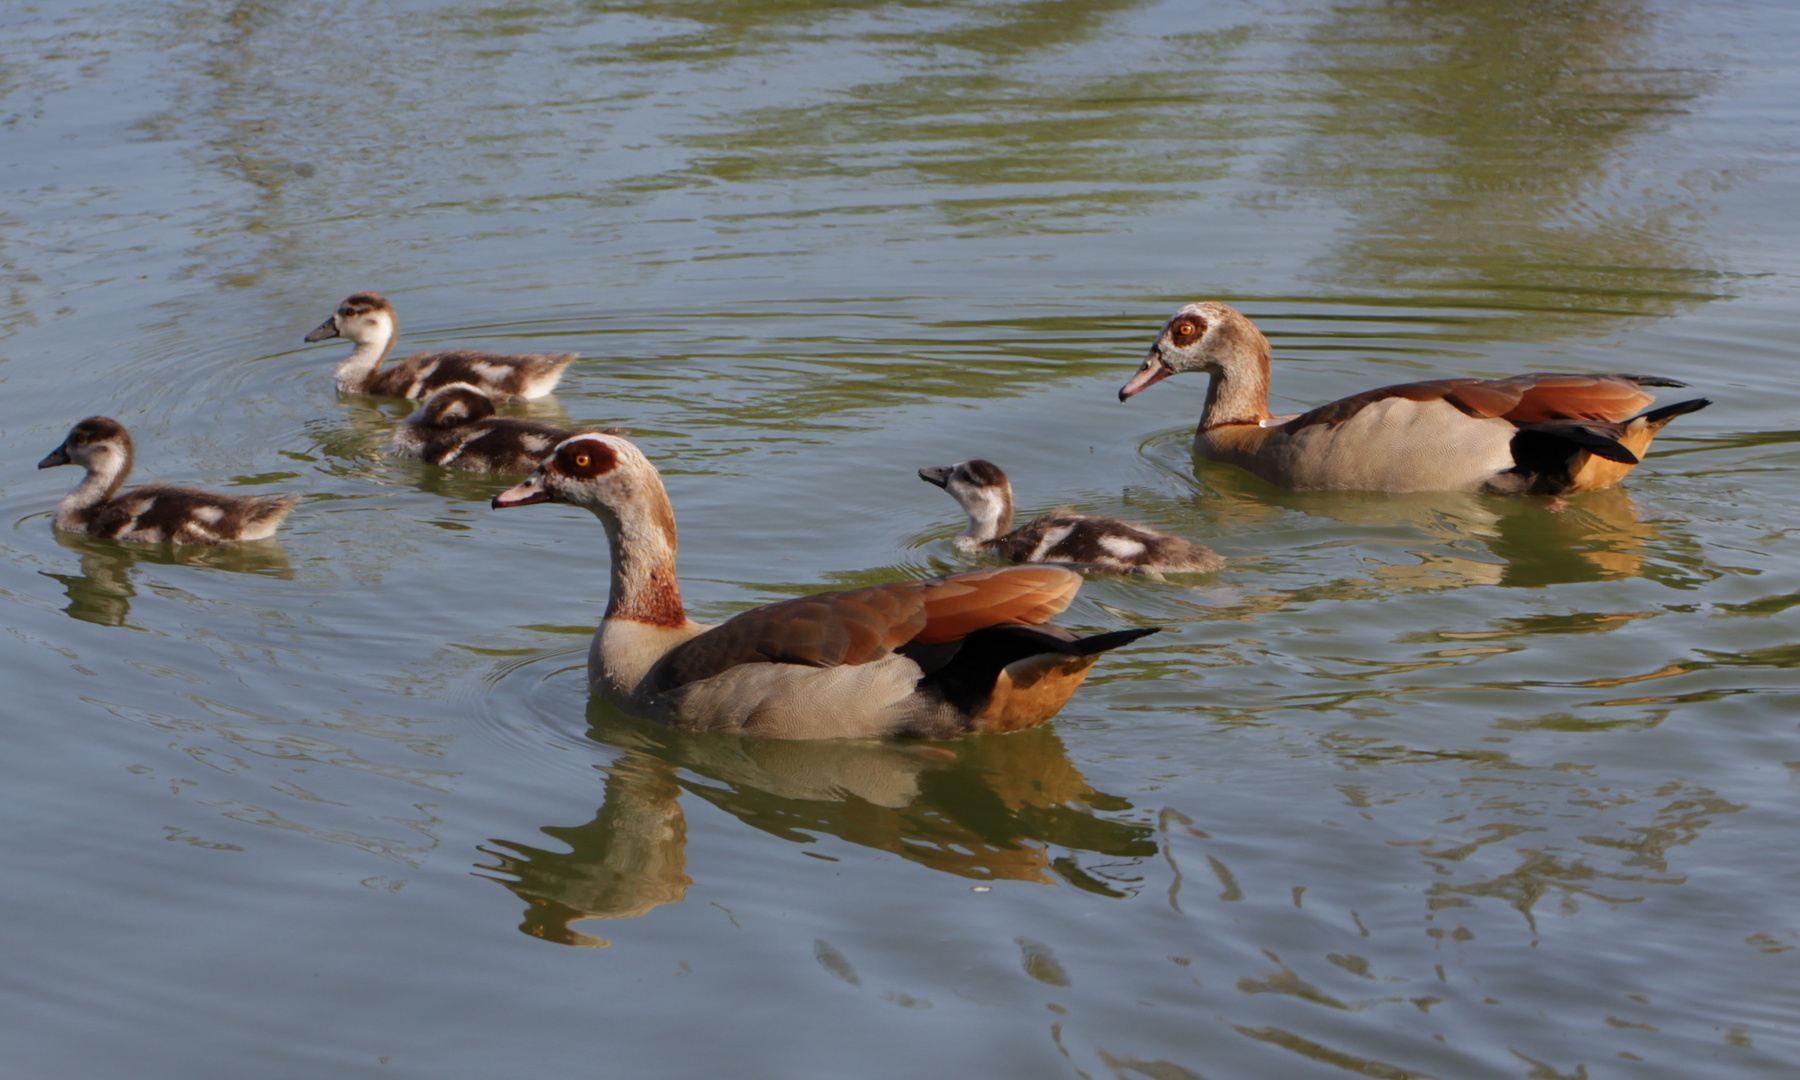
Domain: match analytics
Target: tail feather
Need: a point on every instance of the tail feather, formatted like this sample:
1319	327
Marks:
1100	643
1652	380
963	674
1558	440
1656	418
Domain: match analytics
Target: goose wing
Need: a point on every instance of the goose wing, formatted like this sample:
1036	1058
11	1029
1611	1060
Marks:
1539	397
860	626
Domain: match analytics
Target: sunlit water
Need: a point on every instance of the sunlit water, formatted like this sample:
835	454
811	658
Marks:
1427	785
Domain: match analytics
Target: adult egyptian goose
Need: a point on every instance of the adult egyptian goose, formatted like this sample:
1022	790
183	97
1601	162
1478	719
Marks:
985	494
155	512
926	659
456	426
368	320
1542	434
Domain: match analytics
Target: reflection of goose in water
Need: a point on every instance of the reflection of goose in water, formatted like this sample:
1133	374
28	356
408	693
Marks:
1460	538
986	808
102	592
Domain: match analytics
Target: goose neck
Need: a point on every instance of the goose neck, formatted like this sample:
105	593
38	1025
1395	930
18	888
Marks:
644	587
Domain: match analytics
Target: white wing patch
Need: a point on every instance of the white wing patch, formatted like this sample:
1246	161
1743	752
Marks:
1122	547
1050	542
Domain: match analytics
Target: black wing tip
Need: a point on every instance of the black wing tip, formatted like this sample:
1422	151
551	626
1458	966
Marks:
1099	643
1680	408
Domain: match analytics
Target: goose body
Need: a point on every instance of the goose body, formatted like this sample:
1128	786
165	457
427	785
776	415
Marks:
929	659
456	426
1541	433
985	494
153	513
370	323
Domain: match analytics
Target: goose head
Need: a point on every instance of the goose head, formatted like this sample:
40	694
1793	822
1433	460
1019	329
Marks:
1205	336
365	318
452	406
97	444
981	489
603	473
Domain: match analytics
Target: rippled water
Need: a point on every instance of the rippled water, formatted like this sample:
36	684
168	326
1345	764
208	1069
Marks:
1424	785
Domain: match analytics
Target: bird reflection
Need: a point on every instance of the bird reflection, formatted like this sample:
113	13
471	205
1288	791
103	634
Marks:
1528	542
985	807
102	592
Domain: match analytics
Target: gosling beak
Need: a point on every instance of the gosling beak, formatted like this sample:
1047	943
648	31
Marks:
524	493
1155	370
326	329
936	474
58	456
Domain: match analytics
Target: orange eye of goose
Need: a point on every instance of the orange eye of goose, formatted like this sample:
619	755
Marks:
581	461
1184	329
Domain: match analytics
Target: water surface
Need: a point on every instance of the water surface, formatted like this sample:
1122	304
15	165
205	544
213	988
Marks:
1422	785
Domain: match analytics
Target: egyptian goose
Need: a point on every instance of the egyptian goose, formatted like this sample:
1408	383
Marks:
985	494
155	512
456	426
368	320
1541	434
926	659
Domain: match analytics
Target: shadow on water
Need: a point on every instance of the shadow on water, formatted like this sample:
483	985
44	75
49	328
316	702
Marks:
103	591
986	807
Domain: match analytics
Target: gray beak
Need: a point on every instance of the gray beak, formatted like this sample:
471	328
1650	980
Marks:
326	329
58	456
936	474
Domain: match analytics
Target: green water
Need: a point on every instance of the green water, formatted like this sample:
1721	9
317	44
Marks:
1425	785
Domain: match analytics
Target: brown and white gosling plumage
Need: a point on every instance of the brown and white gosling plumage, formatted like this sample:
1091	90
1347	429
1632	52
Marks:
985	494
1539	433
457	426
369	321
927	659
155	512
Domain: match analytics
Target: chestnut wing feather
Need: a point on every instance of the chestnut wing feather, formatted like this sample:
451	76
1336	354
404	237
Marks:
961	604
825	630
1535	398
1605	398
1480	398
864	625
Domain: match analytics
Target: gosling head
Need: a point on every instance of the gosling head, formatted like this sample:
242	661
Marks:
981	489
97	443
363	317
452	406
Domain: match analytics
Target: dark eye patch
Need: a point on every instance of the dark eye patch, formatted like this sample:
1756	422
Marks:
586	458
1184	330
